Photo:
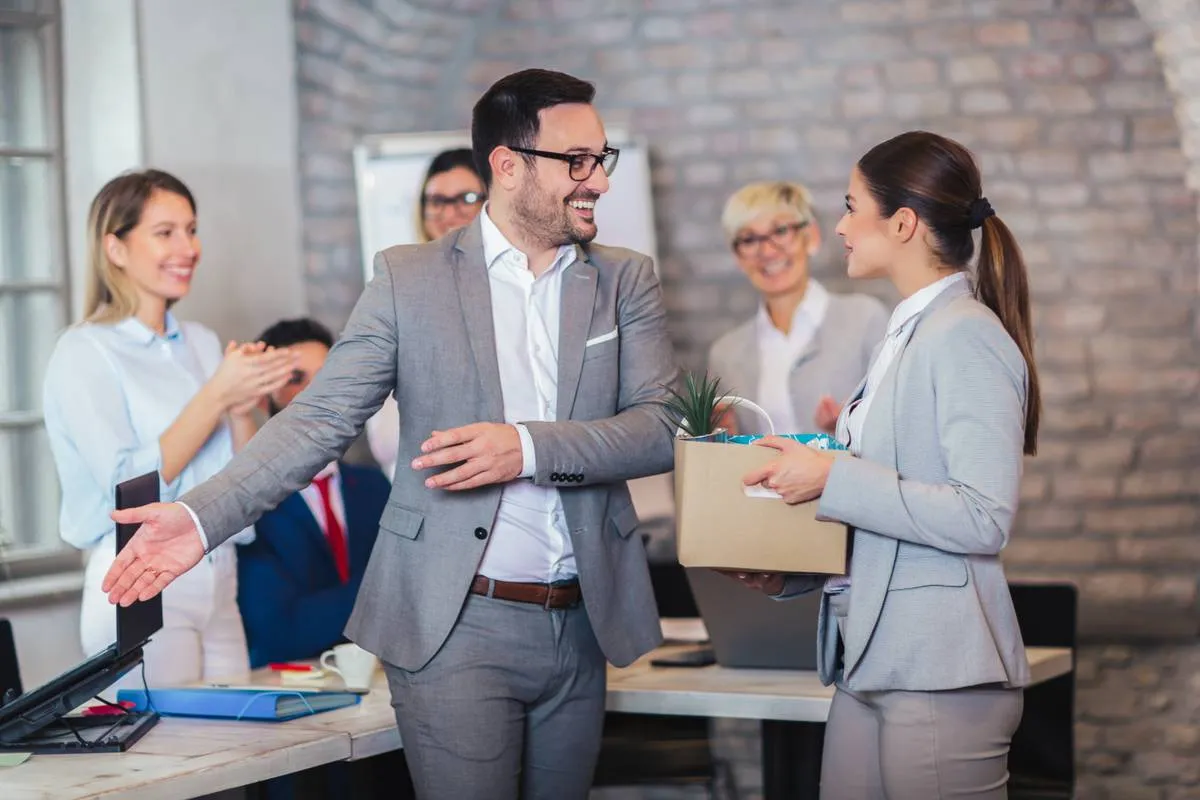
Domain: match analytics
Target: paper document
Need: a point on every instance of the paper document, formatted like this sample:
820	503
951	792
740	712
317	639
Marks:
758	490
684	629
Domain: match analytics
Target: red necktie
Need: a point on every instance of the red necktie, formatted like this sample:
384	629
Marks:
333	530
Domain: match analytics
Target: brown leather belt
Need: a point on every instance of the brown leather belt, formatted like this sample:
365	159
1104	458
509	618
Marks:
545	595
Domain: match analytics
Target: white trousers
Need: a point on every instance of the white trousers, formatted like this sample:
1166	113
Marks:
202	638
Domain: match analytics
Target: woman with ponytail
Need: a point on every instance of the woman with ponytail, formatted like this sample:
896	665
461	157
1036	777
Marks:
920	637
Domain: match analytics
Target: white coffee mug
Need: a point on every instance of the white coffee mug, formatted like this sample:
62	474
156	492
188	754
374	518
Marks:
355	665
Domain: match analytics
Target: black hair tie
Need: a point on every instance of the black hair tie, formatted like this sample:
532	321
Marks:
980	210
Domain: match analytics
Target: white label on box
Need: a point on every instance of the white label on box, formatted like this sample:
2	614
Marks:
758	490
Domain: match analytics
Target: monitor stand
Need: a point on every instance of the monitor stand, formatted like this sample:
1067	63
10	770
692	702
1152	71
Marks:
105	733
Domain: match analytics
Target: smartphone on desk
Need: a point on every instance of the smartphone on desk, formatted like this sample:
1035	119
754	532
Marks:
696	657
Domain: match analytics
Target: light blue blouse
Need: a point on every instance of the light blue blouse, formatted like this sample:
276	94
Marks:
111	391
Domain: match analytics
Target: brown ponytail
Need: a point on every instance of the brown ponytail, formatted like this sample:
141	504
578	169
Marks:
1003	286
938	179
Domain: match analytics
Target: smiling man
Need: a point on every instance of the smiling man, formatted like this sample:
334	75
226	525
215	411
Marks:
529	369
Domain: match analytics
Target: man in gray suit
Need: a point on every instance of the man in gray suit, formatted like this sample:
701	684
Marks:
529	367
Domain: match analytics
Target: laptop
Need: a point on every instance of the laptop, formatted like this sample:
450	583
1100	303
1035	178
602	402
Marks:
27	714
747	629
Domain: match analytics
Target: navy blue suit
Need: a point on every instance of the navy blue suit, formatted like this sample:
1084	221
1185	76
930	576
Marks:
293	603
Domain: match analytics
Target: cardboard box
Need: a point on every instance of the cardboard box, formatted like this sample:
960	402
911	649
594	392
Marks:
718	524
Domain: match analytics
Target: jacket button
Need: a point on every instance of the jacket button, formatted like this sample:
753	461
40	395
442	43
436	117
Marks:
481	533
555	477
579	477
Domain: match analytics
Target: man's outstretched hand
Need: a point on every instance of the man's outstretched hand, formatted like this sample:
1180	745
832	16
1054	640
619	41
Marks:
165	546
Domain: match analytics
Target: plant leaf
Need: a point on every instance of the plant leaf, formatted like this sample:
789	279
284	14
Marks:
695	408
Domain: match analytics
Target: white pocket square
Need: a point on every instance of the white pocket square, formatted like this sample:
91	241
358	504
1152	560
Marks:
602	338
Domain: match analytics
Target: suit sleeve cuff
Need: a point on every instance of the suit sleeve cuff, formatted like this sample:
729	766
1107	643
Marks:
196	522
528	456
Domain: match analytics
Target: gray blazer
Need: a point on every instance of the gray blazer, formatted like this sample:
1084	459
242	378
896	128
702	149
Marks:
423	329
932	502
834	361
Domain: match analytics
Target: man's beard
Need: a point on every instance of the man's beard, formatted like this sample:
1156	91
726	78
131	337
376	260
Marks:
550	222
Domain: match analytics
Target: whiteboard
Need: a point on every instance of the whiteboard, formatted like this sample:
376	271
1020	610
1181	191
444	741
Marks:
388	169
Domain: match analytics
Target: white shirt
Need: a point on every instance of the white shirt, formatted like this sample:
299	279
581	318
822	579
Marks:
900	328
779	351
529	540
311	496
110	392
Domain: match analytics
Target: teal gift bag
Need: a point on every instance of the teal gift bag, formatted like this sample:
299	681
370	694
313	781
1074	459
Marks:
820	441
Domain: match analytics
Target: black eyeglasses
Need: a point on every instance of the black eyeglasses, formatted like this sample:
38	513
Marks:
437	203
582	165
749	244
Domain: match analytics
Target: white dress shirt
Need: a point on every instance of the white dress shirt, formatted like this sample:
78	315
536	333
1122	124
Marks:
899	330
311	496
529	540
778	353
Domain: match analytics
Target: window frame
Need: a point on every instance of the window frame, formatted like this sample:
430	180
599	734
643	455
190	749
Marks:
51	555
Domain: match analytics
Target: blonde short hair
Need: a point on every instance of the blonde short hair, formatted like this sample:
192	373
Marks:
767	197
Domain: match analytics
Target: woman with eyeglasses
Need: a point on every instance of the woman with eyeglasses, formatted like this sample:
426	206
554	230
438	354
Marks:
452	195
805	349
130	390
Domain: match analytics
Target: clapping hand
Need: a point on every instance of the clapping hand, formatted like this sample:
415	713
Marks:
826	416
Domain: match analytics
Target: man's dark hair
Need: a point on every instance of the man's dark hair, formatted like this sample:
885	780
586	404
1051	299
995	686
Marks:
288	332
507	114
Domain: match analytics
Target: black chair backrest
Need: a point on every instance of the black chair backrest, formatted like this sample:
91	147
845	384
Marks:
672	592
10	673
1043	748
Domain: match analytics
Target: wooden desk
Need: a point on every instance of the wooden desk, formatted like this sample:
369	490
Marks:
178	758
753	693
182	758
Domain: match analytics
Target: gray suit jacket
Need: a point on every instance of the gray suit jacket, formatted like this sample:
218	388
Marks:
423	328
834	361
932	501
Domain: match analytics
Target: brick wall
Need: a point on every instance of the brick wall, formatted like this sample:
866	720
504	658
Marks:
1066	104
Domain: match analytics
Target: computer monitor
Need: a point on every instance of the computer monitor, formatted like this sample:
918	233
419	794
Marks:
31	712
750	630
10	672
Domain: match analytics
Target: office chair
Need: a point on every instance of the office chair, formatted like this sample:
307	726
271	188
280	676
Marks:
1041	761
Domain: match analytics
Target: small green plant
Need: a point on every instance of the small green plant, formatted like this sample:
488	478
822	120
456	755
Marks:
698	407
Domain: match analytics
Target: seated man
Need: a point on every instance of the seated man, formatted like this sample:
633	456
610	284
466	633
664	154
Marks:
298	580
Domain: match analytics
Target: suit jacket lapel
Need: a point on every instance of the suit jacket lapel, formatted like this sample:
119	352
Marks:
475	299
811	349
745	384
296	509
574	325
